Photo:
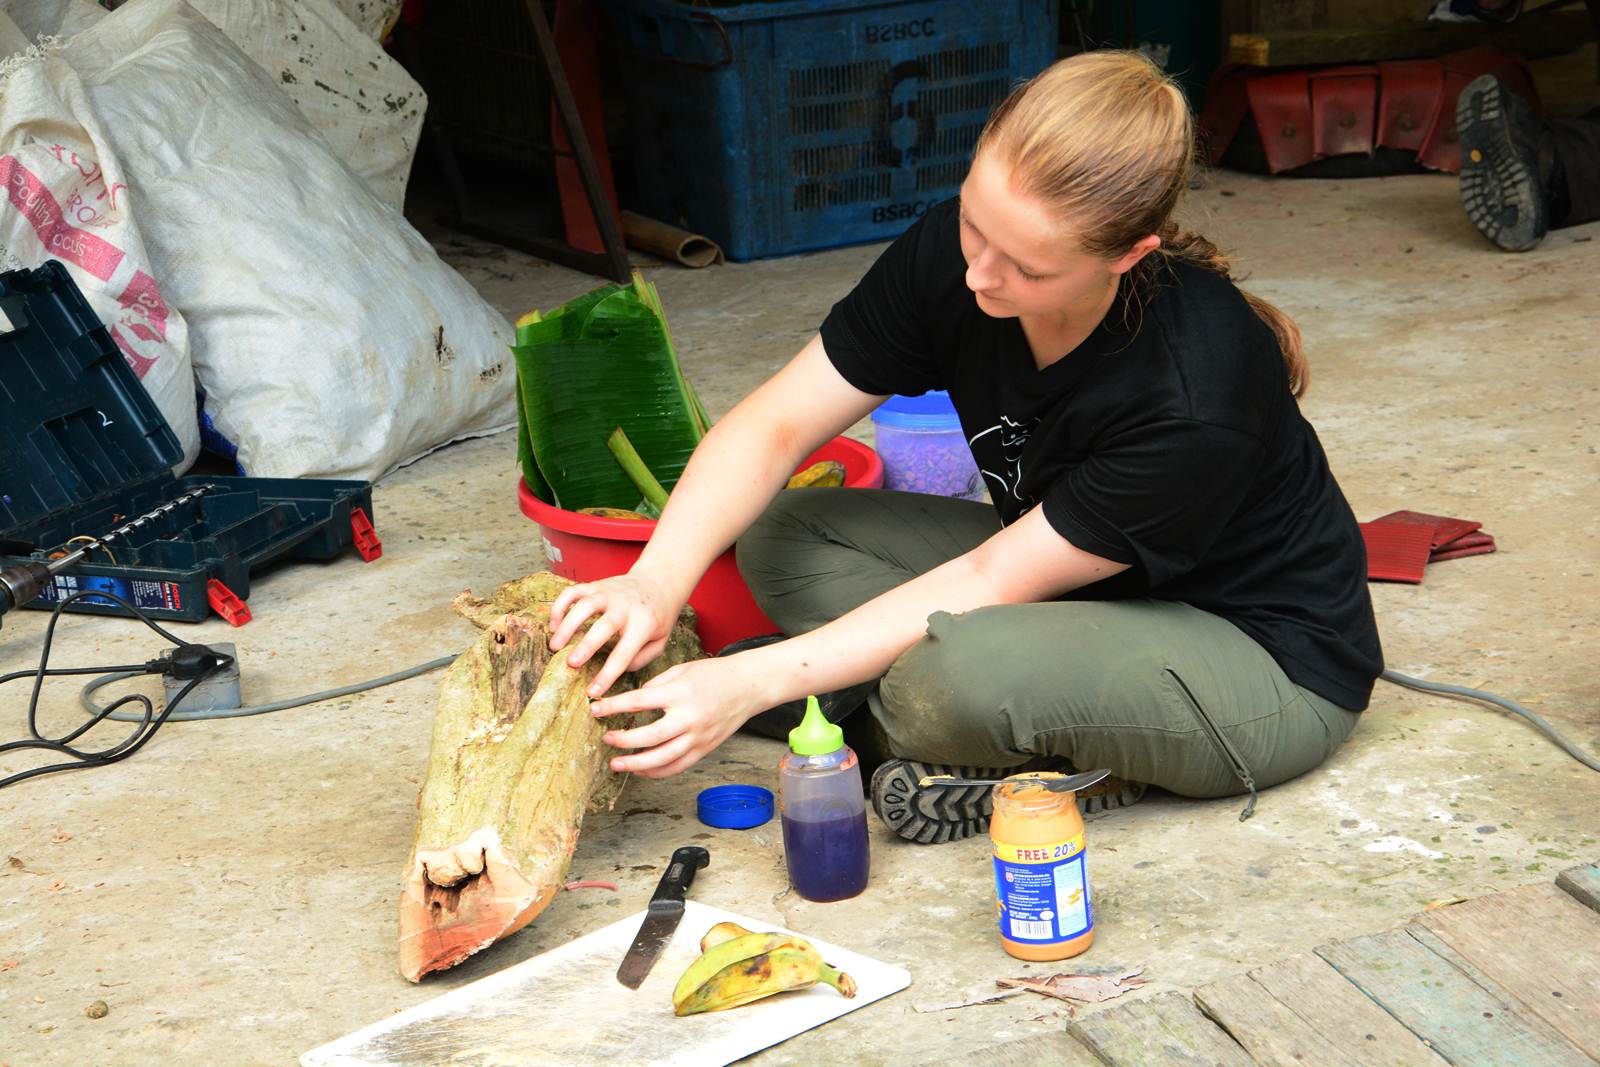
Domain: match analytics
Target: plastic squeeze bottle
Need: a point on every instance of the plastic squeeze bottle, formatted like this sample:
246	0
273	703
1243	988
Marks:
1040	879
824	811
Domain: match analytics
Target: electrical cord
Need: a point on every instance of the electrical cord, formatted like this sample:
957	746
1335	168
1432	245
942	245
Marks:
1466	693
86	697
196	662
89	705
148	723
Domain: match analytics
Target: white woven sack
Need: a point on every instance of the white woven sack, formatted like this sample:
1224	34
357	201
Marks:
12	39
51	18
374	17
330	339
68	197
364	102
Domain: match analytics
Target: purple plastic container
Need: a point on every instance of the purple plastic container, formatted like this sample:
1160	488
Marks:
923	448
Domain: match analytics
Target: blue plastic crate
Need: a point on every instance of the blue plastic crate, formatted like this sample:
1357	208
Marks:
777	127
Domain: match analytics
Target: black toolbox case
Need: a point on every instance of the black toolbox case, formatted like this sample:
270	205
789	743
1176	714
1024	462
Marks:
83	449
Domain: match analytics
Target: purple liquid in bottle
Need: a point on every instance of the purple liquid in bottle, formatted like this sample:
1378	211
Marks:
827	856
824	811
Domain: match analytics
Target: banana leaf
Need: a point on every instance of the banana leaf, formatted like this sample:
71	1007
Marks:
525	461
571	314
601	362
647	292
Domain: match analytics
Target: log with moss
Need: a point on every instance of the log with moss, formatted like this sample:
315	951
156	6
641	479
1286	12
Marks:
516	762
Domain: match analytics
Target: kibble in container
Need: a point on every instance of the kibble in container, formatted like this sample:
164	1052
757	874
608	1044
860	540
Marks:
923	448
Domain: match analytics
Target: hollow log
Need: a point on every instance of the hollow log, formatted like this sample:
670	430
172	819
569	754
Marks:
515	764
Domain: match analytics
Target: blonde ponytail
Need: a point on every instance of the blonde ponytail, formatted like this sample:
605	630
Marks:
1107	140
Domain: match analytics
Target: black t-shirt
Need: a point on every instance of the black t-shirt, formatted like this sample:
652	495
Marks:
1168	440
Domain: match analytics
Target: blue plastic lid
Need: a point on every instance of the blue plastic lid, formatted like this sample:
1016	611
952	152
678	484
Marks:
930	411
735	807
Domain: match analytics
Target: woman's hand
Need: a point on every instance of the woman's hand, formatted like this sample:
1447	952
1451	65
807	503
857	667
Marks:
704	701
637	611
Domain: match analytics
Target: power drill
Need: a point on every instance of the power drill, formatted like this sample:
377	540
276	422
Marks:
22	582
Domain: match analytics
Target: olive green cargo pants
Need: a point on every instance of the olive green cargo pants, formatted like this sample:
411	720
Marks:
1157	691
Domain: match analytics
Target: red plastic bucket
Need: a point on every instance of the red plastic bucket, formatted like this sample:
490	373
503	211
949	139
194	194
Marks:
587	547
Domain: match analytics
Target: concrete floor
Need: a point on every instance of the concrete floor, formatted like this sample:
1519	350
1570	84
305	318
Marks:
230	892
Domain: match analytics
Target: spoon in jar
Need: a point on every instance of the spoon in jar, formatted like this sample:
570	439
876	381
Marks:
1069	784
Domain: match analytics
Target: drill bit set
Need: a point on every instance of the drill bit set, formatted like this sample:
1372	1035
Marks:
22	583
88	501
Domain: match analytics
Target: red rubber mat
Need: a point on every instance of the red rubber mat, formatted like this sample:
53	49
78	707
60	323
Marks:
1396	551
1475	544
1445	529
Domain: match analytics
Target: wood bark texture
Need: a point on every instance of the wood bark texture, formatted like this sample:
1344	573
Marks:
515	764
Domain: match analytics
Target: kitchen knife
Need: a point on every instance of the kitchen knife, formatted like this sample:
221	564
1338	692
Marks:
661	918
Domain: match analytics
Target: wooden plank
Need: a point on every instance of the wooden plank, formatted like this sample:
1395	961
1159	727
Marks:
1163	1031
1582	884
1551	34
1236	16
1266	16
1540	947
1446	1007
1269	1030
1445	951
1045	1050
1343	1014
1289	14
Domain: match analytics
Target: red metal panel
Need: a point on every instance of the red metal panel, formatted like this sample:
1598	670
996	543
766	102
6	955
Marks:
1410	92
1226	107
1344	107
1441	147
1304	116
1509	67
1281	105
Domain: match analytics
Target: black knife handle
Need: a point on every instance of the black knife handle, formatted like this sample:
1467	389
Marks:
679	875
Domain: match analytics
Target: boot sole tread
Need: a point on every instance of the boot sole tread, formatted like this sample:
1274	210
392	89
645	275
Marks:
1499	191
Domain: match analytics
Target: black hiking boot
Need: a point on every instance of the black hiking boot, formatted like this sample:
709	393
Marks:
1507	165
934	814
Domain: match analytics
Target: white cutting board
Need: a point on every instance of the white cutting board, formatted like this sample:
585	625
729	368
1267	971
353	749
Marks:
566	1008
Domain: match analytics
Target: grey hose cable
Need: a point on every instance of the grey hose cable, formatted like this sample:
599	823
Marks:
1510	705
86	696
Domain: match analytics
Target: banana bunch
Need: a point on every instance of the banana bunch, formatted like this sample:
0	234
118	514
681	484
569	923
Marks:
737	966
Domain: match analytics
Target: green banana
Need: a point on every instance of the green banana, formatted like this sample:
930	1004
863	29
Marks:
719	956
720	933
751	966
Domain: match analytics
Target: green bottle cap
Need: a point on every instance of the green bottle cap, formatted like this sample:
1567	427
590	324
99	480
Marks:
815	736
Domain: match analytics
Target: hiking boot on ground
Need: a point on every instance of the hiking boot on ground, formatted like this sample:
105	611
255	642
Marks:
1507	165
931	815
